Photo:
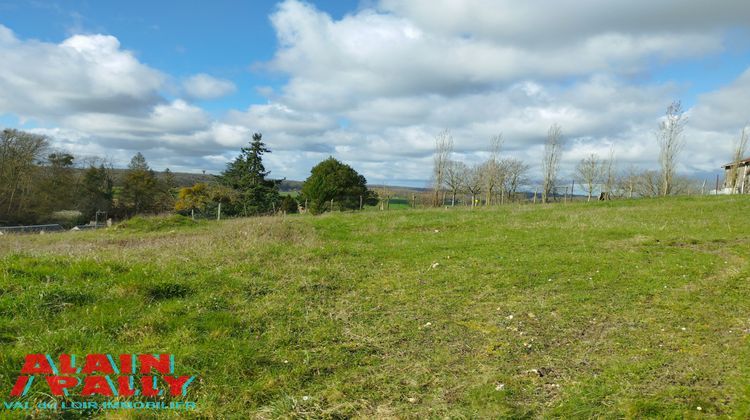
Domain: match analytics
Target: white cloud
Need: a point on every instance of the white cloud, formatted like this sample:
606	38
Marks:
203	86
278	118
84	73
333	64
539	23
726	107
374	87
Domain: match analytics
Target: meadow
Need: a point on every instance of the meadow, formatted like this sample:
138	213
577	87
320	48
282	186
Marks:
627	308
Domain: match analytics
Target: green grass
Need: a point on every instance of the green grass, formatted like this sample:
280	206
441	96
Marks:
154	224
620	309
394	203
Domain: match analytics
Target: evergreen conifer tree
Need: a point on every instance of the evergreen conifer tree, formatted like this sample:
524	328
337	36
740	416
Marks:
247	175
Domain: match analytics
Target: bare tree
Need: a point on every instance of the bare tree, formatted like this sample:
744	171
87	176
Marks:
551	162
454	173
515	175
670	140
384	196
443	151
734	176
649	183
628	182
490	170
589	172
609	172
472	181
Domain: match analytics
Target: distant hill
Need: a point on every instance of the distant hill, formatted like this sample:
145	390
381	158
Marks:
183	179
187	179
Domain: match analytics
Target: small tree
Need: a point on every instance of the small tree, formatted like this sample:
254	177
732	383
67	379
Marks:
96	191
589	173
669	138
165	196
551	161
221	195
288	205
609	172
56	184
492	172
334	180
247	175
649	183
193	198
140	186
516	172
454	178
443	150
628	182
472	181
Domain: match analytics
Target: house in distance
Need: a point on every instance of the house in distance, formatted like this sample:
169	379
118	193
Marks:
737	177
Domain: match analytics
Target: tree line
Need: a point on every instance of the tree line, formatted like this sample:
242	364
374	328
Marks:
244	189
498	179
40	185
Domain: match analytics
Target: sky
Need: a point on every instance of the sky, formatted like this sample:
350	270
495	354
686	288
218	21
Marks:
373	82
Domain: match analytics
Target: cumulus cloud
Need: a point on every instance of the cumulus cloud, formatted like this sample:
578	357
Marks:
203	86
374	87
724	107
535	23
335	63
84	73
278	118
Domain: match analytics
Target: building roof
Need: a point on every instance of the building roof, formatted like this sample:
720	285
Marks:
743	162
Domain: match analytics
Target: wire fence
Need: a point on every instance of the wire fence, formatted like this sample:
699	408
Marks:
32	229
48	228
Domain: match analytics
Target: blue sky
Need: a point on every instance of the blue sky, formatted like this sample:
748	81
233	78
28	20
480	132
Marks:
223	38
373	82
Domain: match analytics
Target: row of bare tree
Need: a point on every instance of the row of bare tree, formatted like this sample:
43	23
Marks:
502	177
495	179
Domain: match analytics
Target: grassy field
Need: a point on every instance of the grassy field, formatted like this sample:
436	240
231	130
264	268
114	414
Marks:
620	309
